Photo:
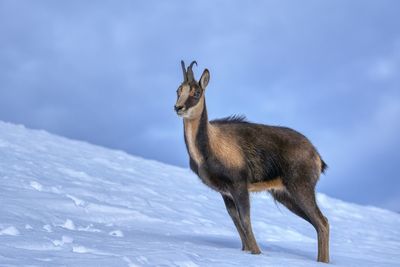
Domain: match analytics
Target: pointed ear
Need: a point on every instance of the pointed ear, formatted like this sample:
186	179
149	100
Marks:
205	78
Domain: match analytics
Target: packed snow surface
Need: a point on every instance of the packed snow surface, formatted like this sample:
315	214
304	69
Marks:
69	203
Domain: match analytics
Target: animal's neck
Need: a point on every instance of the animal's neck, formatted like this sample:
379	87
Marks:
204	139
196	135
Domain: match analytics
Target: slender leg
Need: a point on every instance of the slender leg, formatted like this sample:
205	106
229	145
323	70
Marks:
285	199
241	198
305	199
232	211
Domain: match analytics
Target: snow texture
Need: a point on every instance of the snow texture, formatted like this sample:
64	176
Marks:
69	203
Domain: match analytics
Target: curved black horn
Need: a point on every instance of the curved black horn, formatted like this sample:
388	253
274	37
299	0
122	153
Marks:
184	71
190	74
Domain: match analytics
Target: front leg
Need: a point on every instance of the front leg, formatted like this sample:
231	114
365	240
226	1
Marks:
240	196
232	211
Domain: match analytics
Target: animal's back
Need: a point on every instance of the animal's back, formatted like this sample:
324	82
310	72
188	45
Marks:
271	151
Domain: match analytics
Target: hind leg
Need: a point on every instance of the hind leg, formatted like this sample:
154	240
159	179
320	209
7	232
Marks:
285	199
304	197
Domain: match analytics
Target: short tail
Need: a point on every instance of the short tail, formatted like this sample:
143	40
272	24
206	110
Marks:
324	166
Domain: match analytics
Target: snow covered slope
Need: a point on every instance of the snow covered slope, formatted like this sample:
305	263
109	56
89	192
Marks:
69	203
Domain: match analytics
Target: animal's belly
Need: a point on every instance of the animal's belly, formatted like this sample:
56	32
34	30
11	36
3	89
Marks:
275	184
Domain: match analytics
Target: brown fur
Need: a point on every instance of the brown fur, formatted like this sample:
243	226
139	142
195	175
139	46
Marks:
225	147
275	184
318	163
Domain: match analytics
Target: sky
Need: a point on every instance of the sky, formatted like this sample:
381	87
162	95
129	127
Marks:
106	72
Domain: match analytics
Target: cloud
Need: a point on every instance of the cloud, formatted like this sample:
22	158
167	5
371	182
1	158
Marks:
107	73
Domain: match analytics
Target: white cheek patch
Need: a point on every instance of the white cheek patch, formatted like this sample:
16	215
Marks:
183	96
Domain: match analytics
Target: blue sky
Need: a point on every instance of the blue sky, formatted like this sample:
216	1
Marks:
107	71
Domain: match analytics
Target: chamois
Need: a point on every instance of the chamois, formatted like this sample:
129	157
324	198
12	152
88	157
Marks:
236	157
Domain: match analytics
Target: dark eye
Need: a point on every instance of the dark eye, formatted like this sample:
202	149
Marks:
197	94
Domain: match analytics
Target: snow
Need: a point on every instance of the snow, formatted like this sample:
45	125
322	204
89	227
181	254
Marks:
66	202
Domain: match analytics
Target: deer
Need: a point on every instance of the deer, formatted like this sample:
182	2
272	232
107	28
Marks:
236	157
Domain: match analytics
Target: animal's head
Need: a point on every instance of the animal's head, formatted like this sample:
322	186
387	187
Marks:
190	93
